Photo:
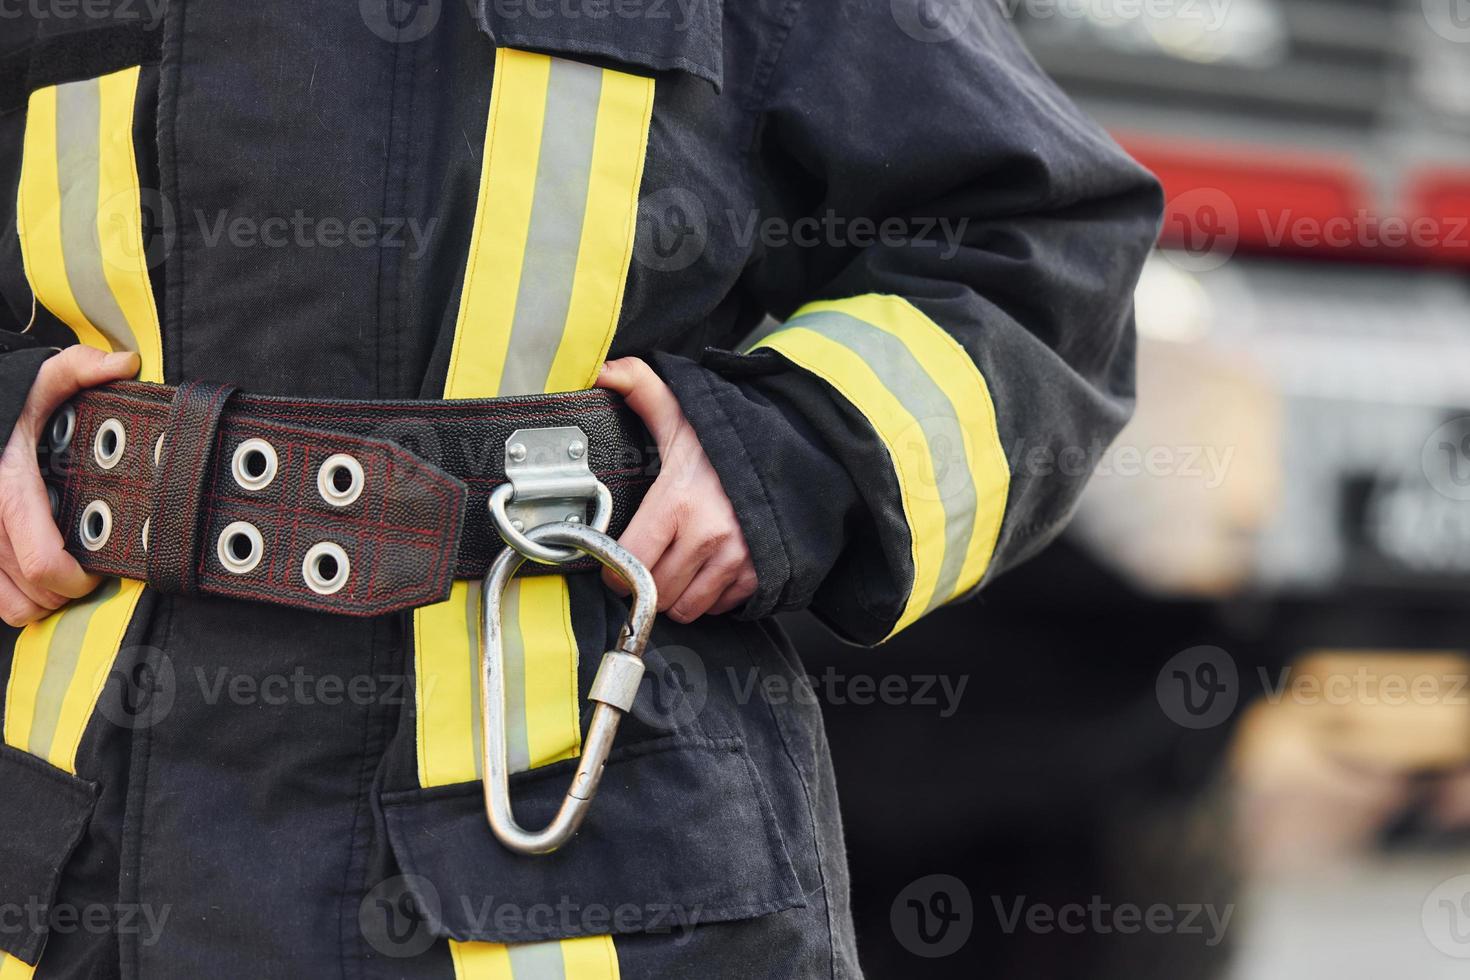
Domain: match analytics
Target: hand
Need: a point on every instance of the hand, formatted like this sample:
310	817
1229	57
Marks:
36	574
685	530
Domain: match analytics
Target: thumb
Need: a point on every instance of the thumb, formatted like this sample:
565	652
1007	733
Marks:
67	373
646	394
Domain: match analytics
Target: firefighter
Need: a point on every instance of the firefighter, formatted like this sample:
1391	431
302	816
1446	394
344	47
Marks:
859	270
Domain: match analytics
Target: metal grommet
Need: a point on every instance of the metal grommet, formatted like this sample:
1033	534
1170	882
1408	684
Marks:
63	427
54	499
240	547
254	464
146	521
96	525
109	442
340	479
325	567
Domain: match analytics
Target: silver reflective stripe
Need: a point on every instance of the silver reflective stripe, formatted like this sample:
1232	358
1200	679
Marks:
906	379
554	237
517	737
78	134
473	631
63	653
537	961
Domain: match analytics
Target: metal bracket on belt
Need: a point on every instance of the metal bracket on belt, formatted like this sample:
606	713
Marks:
548	481
540	508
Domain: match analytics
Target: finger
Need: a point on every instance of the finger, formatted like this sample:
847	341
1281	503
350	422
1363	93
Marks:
67	373
646	394
736	595
647	536
686	557
38	594
40	555
15	608
707	586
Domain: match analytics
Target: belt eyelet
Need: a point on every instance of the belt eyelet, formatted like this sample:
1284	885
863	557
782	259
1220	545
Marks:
340	479
146	521
96	525
54	500
63	426
158	450
325	567
254	464
109	442
240	547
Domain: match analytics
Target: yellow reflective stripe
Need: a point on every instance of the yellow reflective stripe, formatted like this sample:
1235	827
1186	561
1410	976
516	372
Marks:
446	671
480	961
955	372
590	958
608	229
104	636
564	149
583	958
27	667
57	673
931	408
80	216
38	211
896	428
498	245
15	969
520	261
120	220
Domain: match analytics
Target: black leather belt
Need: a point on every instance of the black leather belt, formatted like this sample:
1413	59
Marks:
353	507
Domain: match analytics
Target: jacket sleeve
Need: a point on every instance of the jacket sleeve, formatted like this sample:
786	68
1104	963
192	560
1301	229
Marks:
959	246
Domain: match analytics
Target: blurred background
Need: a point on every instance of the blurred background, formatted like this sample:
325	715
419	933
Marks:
1222	729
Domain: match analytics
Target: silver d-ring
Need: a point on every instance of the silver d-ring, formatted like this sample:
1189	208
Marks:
517	538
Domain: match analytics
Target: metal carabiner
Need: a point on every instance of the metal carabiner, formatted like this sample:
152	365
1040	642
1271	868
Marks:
614	687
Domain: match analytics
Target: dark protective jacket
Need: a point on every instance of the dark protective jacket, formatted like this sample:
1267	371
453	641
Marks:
882	261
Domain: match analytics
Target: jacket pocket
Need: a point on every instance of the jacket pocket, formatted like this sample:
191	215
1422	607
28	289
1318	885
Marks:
46	811
681	834
655	35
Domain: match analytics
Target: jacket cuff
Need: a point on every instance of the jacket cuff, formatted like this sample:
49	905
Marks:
711	403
